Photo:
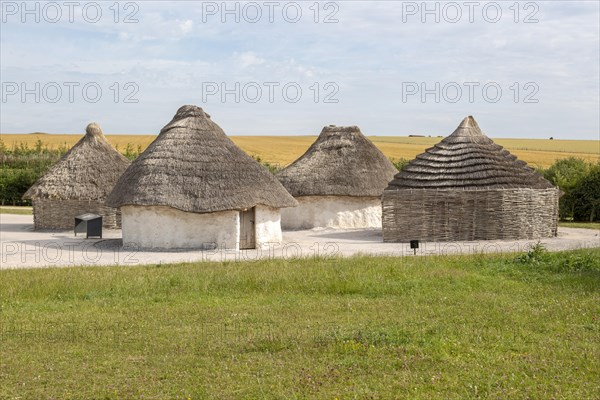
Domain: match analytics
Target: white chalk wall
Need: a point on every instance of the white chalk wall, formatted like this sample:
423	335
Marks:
267	225
168	228
340	212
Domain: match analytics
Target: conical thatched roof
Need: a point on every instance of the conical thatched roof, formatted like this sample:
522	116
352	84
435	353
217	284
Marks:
88	171
341	162
193	166
467	159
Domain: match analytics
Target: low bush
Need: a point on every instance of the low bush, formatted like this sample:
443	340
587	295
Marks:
579	181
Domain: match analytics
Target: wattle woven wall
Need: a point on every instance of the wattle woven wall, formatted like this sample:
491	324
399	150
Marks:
60	214
462	215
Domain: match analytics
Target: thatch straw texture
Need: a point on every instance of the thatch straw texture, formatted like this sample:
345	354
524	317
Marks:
468	188
467	159
193	166
88	171
79	182
341	162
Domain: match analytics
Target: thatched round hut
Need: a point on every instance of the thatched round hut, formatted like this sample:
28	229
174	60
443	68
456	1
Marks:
194	188
338	182
78	183
468	188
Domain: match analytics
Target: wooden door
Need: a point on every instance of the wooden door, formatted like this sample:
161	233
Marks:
247	229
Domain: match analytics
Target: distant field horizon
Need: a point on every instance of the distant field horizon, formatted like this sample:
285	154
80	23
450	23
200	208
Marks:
381	135
283	150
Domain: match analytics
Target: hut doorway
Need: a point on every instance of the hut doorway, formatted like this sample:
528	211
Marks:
247	229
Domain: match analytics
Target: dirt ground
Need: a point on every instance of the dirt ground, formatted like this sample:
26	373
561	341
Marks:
22	247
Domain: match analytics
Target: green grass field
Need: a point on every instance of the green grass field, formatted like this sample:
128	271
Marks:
16	210
365	328
586	225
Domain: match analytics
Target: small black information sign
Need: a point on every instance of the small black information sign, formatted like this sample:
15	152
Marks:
90	224
414	244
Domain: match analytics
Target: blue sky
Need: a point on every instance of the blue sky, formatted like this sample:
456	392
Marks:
375	59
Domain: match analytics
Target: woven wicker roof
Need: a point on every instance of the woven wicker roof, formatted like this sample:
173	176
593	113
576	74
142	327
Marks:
341	162
88	171
193	166
467	159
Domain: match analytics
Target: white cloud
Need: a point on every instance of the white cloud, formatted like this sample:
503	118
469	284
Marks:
248	59
186	26
170	52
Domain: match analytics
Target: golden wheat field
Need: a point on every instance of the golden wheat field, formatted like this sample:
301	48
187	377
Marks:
283	150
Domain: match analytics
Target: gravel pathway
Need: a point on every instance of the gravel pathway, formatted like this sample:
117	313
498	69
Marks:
22	247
